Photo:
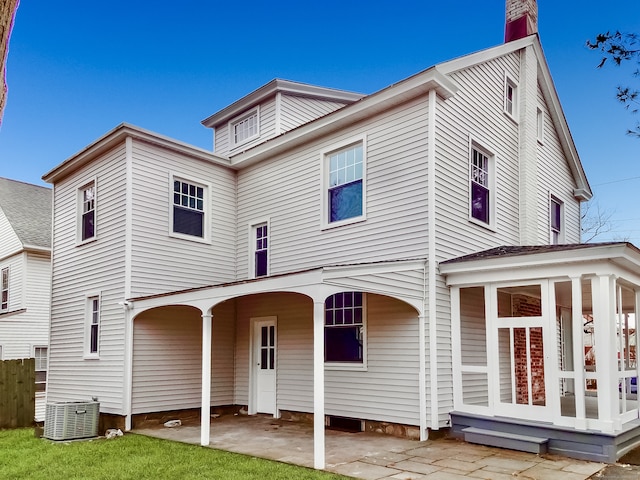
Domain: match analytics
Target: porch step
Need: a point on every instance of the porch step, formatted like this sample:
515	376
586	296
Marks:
513	441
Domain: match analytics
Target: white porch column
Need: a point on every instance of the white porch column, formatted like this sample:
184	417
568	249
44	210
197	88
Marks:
578	353
604	323
318	386
205	409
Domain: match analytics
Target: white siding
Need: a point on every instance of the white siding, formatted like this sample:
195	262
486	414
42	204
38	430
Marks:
387	390
297	111
289	192
79	270
556	179
167	359
185	263
29	289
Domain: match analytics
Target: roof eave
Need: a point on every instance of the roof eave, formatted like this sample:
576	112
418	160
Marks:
419	84
115	137
270	89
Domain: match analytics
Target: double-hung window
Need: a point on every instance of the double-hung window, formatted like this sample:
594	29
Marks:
555	221
4	282
345	192
481	185
344	324
87	221
244	128
40	355
261	250
92	339
189	208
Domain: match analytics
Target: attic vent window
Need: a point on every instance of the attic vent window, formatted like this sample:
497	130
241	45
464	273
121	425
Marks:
510	98
244	128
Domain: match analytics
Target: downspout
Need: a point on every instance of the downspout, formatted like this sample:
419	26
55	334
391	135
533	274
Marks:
128	320
431	260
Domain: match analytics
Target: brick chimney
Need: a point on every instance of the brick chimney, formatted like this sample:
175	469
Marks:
521	19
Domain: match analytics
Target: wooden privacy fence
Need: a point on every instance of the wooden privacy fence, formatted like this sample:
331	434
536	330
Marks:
17	393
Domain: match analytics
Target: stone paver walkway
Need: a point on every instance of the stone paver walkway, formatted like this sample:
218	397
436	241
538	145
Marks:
372	456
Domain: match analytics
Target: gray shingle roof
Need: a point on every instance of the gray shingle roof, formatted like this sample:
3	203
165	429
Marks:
28	209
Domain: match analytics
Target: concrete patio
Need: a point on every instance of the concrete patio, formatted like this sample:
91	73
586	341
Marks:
375	456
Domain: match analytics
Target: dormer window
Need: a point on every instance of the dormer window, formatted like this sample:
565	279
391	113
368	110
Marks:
244	128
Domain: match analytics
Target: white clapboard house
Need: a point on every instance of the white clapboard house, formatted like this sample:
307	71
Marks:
409	257
25	277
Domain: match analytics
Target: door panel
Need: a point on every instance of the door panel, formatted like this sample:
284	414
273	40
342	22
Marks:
264	339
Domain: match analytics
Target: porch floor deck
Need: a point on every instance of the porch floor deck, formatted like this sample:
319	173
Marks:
375	456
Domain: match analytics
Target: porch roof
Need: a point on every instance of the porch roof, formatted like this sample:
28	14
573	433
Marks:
544	258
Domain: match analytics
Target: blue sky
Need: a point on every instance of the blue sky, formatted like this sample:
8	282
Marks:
76	69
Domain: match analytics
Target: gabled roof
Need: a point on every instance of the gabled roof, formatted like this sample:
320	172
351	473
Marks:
28	210
436	77
115	137
273	87
583	190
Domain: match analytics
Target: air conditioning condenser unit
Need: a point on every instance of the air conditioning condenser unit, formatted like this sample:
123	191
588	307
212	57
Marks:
71	420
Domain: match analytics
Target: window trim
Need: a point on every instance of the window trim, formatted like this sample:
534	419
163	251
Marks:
5	274
252	247
477	145
324	159
511	112
239	119
206	212
89	299
80	212
351	366
561	232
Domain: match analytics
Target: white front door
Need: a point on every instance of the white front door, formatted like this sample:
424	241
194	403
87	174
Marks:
264	364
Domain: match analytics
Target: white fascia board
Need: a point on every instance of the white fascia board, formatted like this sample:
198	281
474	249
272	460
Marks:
270	89
419	84
117	136
513	266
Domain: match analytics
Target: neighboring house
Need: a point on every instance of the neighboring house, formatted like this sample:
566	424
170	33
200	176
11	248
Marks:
25	277
349	256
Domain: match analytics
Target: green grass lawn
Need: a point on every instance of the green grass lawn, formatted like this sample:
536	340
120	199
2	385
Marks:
25	457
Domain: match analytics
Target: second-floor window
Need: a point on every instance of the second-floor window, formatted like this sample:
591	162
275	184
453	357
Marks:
345	194
481	180
188	208
4	282
88	212
261	250
555	217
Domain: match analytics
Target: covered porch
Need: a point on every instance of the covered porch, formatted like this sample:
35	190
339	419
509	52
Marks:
545	347
263	345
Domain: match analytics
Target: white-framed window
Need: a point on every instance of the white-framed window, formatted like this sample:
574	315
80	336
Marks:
41	355
345	329
259	249
92	327
481	185
510	97
189	209
540	124
87	212
345	189
244	128
4	284
556	220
